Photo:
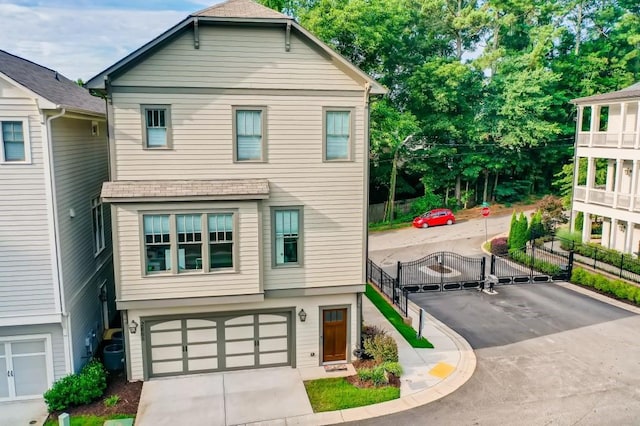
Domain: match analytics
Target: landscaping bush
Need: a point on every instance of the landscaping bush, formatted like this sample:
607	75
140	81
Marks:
370	331
392	367
536	229
620	289
499	246
77	389
381	348
537	264
379	375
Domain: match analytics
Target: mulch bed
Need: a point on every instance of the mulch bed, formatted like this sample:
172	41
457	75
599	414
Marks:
369	363
117	384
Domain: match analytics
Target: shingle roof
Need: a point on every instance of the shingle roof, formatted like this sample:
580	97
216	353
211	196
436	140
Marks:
231	189
240	9
631	92
49	84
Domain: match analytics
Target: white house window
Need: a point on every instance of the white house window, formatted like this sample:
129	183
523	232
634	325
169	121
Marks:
157	126
14	141
249	129
97	220
189	229
287	236
157	243
220	240
197	242
337	135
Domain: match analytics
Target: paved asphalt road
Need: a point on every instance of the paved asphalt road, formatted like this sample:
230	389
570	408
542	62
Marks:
547	355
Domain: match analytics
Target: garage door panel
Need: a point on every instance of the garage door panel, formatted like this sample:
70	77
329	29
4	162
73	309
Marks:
166	338
204	364
200	323
236	361
166	353
4	379
30	372
242	347
202	335
279	344
274	358
167	367
167	325
271	330
243	320
209	349
33	347
243	332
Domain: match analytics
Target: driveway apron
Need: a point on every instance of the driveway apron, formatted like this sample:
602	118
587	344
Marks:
230	398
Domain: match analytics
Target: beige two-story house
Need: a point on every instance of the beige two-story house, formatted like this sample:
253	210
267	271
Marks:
239	155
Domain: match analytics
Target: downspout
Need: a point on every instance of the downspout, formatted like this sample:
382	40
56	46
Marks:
367	91
66	320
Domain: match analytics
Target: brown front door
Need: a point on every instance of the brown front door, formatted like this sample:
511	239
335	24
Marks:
334	335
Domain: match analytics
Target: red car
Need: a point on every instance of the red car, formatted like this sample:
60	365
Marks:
434	217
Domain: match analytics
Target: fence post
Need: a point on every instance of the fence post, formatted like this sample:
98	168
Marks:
595	257
533	260
483	266
405	293
570	266
492	270
621	263
399	271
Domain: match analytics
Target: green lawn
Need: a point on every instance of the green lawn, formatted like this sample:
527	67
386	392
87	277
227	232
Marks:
394	318
338	394
89	420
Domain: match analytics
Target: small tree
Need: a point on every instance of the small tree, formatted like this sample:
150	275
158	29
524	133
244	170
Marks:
520	236
536	229
552	212
513	229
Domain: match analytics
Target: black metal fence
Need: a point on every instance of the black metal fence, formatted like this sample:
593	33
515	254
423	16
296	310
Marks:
441	271
388	285
622	265
530	264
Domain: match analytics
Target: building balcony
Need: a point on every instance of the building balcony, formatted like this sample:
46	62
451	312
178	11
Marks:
607	139
599	196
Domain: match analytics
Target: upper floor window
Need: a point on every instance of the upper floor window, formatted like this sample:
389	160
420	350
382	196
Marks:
97	220
156	126
249	133
14	141
198	242
337	135
287	236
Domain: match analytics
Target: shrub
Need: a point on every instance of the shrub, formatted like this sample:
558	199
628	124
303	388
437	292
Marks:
537	264
365	374
499	246
381	348
392	367
112	401
536	229
618	288
77	389
369	331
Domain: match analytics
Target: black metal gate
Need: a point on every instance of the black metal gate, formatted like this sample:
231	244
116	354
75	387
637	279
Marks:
530	265
441	271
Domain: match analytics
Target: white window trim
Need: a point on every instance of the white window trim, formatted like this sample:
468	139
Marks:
168	126
173	242
352	134
102	245
27	140
300	262
265	138
48	357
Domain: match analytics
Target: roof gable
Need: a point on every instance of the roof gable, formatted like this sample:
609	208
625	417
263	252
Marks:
49	84
240	9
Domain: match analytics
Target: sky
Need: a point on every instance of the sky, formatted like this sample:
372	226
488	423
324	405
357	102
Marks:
81	38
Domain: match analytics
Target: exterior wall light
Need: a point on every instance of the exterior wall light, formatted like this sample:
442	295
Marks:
303	315
133	327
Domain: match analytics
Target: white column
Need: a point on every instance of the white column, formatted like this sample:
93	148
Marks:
591	177
595	122
628	237
613	232
623	121
618	185
610	176
586	228
634	185
637	129
606	233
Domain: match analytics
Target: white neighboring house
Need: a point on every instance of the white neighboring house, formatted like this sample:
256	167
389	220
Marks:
239	183
608	138
56	268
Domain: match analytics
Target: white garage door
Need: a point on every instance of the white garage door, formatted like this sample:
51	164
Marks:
26	367
216	343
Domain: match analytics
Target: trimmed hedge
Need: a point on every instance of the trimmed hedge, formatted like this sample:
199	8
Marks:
618	288
77	389
499	246
539	265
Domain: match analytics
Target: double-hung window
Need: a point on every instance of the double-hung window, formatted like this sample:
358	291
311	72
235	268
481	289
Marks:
287	236
14	141
197	241
156	121
338	134
97	221
249	133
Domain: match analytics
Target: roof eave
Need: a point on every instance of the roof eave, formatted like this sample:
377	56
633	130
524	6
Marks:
43	103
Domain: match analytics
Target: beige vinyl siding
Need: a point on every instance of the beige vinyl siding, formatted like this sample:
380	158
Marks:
26	283
135	286
331	192
57	342
81	165
306	338
238	57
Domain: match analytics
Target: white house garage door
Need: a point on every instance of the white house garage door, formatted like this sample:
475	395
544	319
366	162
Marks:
26	367
206	343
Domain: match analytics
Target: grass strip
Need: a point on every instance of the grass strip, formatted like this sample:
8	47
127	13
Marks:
394	318
338	394
90	420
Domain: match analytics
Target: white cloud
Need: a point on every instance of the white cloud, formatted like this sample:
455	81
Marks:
79	43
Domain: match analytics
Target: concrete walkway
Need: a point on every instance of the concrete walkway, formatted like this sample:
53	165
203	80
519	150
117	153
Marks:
276	396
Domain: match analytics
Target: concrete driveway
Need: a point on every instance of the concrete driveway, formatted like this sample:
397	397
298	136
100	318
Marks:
221	399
